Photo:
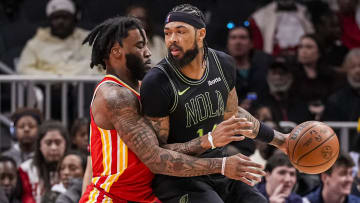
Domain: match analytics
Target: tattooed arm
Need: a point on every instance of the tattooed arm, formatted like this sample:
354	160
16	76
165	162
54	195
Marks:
120	110
194	147
232	109
223	134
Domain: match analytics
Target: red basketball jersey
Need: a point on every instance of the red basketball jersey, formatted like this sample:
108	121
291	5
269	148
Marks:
116	169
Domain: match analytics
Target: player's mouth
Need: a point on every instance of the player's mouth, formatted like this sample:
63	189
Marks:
175	50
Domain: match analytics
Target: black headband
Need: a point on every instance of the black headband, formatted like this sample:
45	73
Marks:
186	18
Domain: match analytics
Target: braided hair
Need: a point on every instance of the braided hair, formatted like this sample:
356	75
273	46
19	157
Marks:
194	11
103	37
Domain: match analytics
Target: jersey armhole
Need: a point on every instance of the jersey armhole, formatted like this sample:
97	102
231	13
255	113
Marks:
218	64
172	109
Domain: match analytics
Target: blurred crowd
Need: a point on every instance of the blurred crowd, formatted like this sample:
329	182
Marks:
296	61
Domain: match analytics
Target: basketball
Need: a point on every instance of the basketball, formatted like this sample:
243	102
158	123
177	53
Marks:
313	147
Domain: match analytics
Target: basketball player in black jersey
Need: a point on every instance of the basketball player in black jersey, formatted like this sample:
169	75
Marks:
186	96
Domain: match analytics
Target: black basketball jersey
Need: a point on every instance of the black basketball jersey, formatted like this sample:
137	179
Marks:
194	107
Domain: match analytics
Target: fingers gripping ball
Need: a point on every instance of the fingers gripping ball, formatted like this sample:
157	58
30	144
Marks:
313	147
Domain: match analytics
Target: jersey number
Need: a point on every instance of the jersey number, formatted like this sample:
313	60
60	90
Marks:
200	132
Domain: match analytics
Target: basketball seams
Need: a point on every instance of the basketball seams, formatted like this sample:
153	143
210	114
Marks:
331	159
302	134
327	139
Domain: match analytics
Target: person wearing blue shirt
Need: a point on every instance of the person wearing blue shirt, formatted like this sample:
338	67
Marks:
336	183
279	181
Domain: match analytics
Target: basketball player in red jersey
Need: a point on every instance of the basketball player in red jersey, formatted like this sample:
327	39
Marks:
124	148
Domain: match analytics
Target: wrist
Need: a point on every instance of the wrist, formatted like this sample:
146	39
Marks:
217	165
205	144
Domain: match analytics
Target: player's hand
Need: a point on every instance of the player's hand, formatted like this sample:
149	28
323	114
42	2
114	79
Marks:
278	196
229	131
240	167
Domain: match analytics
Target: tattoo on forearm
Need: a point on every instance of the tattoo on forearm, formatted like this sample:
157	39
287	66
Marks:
134	130
278	140
242	113
231	104
161	127
192	147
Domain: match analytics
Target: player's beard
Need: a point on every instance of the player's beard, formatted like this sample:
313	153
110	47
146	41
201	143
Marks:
136	66
189	55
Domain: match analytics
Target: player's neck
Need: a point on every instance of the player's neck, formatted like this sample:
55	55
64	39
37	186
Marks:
196	68
133	83
332	197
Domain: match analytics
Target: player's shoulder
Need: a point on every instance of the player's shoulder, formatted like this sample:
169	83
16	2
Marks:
220	54
227	62
156	75
115	94
224	58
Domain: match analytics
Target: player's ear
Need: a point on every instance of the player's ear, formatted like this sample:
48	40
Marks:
116	51
202	34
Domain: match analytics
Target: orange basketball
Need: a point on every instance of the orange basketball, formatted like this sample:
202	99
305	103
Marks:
313	147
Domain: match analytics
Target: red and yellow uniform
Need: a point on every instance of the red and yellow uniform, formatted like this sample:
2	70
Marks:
118	175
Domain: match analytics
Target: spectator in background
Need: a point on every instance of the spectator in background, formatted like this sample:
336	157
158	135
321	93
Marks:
39	174
344	105
79	135
156	43
58	49
251	65
279	181
71	169
336	183
278	27
355	189
312	77
347	16
73	186
10	185
328	29
279	95
26	122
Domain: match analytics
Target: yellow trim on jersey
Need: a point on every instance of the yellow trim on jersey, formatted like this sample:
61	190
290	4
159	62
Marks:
107	199
107	134
123	83
122	159
93	195
104	153
95	180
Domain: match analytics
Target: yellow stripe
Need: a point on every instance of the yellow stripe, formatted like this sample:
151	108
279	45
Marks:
106	182
95	180
123	83
92	196
103	142
358	128
119	152
125	155
108	151
120	170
